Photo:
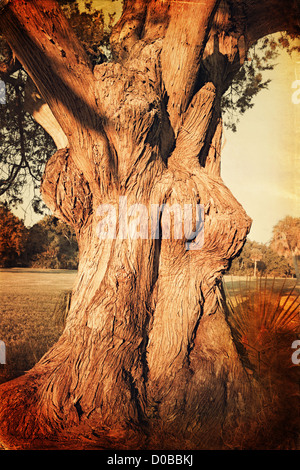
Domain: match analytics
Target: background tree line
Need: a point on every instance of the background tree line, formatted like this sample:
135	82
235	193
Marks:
258	259
52	244
47	244
278	258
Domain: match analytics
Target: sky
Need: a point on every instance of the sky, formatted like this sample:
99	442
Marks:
261	161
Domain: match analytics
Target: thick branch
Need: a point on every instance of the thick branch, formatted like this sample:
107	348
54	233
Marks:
213	161
269	16
129	28
43	115
194	128
40	37
45	44
183	46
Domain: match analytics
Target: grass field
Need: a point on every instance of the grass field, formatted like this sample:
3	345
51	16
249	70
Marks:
28	299
265	314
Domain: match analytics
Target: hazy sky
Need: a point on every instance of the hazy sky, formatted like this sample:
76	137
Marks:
260	162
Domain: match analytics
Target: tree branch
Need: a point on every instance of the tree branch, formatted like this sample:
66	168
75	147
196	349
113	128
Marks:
40	111
61	73
43	41
129	28
182	51
269	16
193	131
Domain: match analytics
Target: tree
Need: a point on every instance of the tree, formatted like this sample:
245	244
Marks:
270	264
274	264
249	80
147	357
286	240
52	244
255	257
25	146
13	237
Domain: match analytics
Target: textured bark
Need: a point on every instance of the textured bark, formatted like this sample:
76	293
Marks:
147	358
40	111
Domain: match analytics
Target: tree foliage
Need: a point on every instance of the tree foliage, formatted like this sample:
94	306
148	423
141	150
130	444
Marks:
47	244
24	145
52	244
279	258
268	262
251	78
90	27
286	236
286	241
13	238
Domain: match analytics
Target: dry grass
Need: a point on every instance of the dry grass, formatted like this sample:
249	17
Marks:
28	326
264	315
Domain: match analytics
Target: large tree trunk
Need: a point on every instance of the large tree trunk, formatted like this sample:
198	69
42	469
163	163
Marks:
147	358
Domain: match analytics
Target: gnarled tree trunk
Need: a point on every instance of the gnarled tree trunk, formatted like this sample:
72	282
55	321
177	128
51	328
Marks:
147	358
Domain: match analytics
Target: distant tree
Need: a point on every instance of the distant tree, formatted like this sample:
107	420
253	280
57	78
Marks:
267	261
286	240
244	264
256	256
274	264
52	244
13	236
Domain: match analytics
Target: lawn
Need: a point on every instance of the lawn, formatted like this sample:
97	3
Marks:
28	299
264	314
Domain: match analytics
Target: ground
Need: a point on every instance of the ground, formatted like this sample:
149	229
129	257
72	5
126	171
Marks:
33	304
29	299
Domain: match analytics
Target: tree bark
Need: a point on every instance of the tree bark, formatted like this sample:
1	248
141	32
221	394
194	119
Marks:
147	358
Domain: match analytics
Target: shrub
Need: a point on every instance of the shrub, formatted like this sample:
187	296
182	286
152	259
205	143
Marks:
264	316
